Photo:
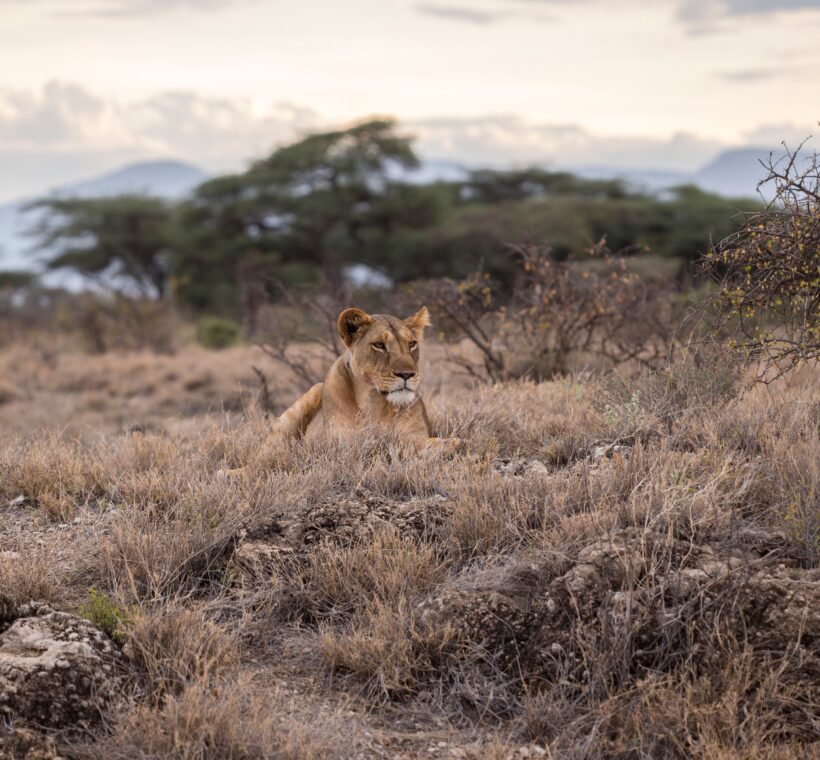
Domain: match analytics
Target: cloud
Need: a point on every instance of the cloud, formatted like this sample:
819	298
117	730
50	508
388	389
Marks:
699	16
216	128
698	9
64	132
56	117
750	75
78	133
503	140
482	15
692	9
772	135
65	118
459	13
710	16
126	8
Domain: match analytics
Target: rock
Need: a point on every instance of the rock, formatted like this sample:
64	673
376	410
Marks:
56	670
348	520
25	744
8	611
290	536
607	450
521	468
495	608
259	560
665	596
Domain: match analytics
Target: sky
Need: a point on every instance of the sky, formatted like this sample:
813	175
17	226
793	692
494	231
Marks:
87	85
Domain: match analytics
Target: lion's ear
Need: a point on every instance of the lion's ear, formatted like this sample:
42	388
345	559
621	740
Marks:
419	320
351	324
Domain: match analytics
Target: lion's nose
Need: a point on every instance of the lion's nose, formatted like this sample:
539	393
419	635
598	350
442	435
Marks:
404	375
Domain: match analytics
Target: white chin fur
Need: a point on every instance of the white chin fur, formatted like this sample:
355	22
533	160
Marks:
403	397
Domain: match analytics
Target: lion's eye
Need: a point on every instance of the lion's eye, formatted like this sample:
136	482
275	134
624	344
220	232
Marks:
413	344
379	346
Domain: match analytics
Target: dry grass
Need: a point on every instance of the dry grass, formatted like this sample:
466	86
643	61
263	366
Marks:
26	573
222	664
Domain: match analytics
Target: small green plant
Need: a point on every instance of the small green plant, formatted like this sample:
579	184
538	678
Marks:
216	332
627	414
106	615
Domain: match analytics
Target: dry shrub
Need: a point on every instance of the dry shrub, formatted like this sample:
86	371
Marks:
28	574
371	459
793	474
492	514
231	720
551	421
378	650
740	710
188	699
172	647
142	470
769	271
114	322
140	452
201	722
305	319
383	649
150	557
341	581
360	596
53	474
655	402
561	316
175	518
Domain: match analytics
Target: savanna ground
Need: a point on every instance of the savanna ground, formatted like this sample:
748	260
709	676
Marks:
360	600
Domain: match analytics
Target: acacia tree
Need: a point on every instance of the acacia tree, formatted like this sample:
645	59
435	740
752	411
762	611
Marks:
125	237
326	200
769	271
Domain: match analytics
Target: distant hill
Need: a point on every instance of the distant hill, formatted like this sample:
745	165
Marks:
735	172
164	179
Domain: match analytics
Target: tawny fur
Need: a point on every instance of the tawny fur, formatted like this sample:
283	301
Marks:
375	382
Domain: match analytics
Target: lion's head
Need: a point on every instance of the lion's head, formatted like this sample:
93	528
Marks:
384	351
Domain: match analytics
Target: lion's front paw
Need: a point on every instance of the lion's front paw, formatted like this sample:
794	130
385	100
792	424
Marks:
443	446
238	473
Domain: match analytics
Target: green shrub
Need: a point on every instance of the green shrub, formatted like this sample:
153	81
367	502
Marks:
105	614
215	332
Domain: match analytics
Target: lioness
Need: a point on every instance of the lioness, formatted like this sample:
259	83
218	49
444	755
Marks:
376	381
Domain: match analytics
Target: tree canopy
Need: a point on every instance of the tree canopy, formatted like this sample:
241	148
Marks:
330	199
125	237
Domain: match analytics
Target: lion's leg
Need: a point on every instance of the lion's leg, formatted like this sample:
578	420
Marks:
414	426
291	424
